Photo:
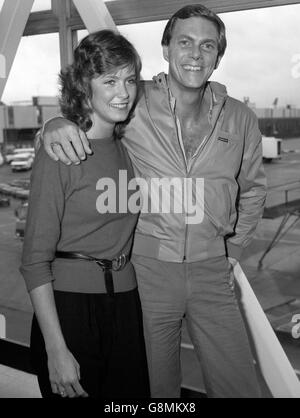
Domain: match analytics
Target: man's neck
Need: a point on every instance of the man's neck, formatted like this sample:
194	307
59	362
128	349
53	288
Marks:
188	101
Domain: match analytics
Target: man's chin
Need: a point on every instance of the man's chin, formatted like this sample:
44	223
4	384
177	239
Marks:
194	84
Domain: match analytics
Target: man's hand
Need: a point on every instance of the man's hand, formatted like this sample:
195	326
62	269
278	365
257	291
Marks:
232	262
64	141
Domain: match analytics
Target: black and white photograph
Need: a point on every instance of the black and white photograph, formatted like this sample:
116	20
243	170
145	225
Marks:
149	202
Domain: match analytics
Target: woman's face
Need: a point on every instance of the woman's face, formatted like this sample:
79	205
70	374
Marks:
113	95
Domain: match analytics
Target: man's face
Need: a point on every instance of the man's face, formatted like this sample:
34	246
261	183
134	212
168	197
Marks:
192	53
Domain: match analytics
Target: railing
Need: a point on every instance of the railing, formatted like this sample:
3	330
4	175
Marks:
271	359
2	326
286	188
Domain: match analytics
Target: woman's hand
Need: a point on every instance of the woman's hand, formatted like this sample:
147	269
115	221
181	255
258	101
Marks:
64	374
63	140
64	371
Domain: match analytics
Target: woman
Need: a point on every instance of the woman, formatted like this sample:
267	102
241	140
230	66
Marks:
87	337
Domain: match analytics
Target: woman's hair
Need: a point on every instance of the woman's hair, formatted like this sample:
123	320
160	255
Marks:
196	10
98	53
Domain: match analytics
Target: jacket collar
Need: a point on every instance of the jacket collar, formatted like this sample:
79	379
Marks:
218	91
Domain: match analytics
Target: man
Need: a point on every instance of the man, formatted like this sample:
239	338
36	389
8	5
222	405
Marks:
187	128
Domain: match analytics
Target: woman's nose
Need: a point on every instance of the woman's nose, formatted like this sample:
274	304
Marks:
123	92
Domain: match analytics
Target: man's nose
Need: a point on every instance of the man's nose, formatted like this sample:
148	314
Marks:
196	52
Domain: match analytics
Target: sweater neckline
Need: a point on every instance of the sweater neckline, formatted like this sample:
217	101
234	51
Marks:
100	141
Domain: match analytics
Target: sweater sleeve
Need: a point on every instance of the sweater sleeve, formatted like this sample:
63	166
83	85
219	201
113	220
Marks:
45	211
252	191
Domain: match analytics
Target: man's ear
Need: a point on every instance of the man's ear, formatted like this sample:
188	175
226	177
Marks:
218	61
166	53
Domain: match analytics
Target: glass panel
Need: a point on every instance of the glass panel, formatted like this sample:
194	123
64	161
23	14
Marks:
262	64
35	69
30	93
40	5
81	34
147	46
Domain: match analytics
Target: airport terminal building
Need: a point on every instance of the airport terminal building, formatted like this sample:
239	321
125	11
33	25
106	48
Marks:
20	121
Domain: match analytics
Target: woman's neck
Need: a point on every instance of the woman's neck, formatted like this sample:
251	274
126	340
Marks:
100	131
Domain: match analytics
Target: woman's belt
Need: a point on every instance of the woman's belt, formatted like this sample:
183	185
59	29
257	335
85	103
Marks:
107	266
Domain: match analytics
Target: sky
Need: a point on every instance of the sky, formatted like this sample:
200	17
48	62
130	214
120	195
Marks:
262	60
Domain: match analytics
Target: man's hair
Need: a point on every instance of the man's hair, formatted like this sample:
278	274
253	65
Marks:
196	10
98	53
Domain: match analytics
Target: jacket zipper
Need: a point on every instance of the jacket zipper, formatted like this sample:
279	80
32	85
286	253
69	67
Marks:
179	139
189	165
186	225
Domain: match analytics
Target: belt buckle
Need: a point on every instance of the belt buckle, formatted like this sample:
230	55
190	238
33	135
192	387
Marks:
119	262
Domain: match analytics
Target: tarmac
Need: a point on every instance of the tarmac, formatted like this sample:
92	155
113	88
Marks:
276	282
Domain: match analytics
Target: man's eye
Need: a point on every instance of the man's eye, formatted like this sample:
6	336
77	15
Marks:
184	42
208	46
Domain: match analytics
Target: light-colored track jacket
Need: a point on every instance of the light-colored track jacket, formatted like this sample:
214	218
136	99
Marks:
221	190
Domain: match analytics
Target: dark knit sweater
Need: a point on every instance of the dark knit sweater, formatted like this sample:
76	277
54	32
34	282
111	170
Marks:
63	216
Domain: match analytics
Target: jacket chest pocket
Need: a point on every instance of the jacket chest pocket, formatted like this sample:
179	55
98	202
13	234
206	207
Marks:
226	150
228	138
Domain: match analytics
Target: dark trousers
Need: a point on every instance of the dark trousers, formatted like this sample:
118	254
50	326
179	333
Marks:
105	335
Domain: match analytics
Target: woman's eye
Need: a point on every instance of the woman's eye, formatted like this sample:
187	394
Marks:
131	81
110	82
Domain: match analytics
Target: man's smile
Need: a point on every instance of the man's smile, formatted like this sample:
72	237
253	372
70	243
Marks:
188	67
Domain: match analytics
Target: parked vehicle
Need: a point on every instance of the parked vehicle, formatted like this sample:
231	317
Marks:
21	215
9	155
21	150
21	183
22	161
12	155
271	148
4	202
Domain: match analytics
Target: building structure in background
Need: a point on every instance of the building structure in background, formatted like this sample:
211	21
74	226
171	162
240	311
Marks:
20	121
281	122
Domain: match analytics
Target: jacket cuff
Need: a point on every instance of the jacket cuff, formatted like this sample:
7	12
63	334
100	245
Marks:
234	251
